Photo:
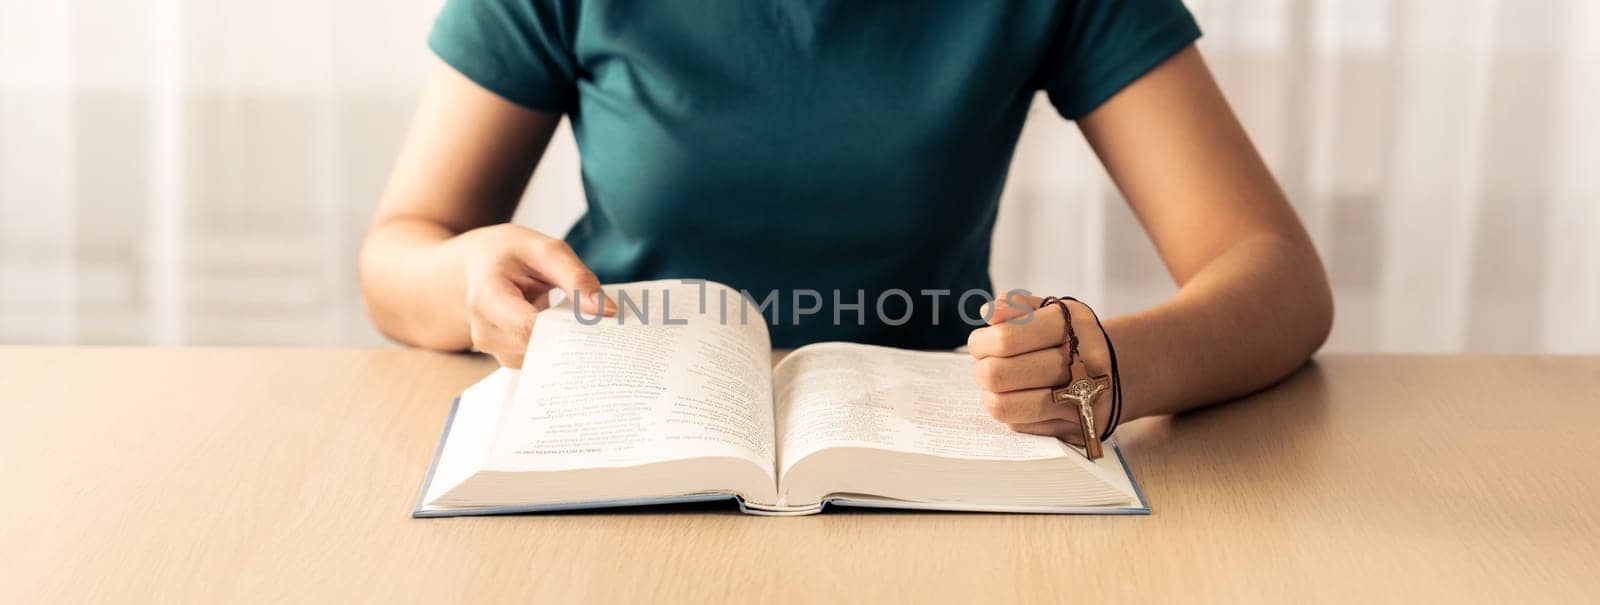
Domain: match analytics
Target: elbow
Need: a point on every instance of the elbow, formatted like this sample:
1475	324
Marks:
379	312
1302	310
1320	323
384	319
1317	306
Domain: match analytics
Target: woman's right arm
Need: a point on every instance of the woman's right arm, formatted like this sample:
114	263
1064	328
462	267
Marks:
441	267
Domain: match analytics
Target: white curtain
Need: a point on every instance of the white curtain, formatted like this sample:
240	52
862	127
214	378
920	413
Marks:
184	172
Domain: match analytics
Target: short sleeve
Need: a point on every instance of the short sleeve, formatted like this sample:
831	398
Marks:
520	50
1104	45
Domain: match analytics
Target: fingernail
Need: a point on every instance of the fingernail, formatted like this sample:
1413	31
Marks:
598	300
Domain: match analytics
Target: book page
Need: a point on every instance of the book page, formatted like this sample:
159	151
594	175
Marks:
667	378
850	395
466	442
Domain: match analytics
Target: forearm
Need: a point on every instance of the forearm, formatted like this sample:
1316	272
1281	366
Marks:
414	284
1251	316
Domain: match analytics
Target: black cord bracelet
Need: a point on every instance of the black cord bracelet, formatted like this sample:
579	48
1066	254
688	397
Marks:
1116	376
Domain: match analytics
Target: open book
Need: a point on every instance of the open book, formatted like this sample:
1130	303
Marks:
675	399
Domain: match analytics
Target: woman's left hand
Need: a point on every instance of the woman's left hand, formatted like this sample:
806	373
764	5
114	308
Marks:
1022	354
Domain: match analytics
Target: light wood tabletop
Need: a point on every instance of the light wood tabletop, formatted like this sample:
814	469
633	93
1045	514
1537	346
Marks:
217	475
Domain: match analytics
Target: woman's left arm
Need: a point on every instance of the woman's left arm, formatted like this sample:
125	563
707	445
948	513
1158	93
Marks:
1253	301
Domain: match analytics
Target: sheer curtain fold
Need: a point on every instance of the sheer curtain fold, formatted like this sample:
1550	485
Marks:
185	172
1434	191
38	142
1571	301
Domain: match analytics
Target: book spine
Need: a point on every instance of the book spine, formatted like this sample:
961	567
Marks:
770	510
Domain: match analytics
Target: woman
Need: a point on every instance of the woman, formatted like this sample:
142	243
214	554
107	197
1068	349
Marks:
776	145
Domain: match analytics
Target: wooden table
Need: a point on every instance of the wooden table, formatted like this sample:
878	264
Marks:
285	474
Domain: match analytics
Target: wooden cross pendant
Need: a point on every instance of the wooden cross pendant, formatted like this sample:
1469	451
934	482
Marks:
1082	392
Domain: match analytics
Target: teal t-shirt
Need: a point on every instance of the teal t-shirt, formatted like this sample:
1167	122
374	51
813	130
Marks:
847	156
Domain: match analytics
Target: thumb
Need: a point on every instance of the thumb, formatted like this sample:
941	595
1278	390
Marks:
554	262
587	294
1014	305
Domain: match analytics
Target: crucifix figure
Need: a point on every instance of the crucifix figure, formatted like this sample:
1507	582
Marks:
1083	392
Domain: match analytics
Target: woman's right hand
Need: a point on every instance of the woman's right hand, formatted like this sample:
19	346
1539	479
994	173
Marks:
510	273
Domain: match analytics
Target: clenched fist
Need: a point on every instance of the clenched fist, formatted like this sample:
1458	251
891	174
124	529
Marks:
1022	354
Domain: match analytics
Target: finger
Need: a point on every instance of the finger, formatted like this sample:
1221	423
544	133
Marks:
1016	304
554	262
541	301
1021	407
1045	368
509	360
1043	330
536	294
487	338
1065	430
501	305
